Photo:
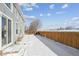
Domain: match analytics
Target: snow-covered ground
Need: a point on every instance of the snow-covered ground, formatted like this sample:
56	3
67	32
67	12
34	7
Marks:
32	45
58	48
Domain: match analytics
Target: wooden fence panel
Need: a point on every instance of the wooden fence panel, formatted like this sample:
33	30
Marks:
68	38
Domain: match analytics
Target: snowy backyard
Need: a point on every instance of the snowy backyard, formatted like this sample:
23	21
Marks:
39	29
32	45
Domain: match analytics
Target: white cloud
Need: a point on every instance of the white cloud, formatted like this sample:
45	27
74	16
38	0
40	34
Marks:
41	14
75	18
65	6
35	5
27	17
51	6
49	14
32	16
74	22
29	5
60	12
27	9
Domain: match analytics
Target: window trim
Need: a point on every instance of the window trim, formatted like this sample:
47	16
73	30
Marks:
4	15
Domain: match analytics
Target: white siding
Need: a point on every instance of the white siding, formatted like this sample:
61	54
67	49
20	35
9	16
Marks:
16	17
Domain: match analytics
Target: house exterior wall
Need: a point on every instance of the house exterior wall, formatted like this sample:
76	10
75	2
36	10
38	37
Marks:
15	16
5	11
19	22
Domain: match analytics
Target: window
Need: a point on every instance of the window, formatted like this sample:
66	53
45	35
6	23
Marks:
4	31
9	5
9	30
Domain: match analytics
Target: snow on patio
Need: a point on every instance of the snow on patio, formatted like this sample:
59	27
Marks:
32	45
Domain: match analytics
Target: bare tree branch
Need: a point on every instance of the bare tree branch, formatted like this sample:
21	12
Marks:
34	26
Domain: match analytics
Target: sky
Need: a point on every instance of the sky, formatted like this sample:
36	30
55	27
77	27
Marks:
52	15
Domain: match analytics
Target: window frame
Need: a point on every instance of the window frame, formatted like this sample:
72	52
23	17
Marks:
7	17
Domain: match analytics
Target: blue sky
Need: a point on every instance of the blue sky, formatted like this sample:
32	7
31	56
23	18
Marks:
52	15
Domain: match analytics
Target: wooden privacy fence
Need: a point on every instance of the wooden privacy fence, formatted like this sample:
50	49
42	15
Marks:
68	38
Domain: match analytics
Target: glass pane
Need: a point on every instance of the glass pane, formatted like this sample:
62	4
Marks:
4	34
9	30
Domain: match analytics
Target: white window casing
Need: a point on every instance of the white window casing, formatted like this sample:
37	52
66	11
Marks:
2	14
